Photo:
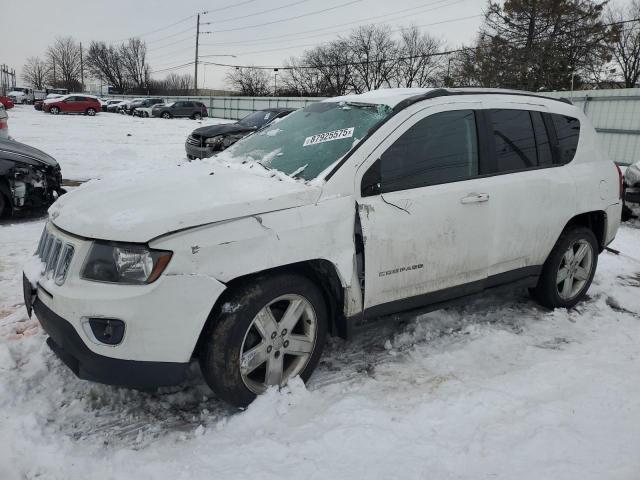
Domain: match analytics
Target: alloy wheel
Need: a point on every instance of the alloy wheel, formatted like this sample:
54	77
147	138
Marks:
278	343
575	269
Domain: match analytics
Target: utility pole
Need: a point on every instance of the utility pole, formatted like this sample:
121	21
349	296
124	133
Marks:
195	74
275	81
81	70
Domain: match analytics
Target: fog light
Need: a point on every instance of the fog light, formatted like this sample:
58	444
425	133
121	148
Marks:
107	330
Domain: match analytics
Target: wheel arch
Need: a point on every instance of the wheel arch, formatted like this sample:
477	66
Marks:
596	221
322	272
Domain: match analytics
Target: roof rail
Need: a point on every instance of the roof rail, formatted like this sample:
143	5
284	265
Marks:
444	92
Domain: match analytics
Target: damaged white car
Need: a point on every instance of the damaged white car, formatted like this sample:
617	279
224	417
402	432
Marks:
354	207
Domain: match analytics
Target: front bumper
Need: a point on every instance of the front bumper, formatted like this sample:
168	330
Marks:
198	152
85	364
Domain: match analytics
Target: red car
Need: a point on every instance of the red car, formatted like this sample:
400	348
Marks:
73	103
7	102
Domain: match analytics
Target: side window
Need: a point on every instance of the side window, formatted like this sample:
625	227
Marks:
568	134
515	143
179	104
187	104
545	155
441	148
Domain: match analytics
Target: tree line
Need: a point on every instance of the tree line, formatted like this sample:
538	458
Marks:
124	67
523	44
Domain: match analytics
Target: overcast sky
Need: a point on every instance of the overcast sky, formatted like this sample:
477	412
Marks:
244	28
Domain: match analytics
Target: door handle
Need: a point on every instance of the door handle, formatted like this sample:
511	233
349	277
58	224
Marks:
475	198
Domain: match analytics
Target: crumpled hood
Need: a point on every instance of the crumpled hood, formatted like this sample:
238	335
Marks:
20	152
140	208
222	129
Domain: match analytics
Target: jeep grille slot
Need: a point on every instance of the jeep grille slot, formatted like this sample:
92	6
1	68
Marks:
56	254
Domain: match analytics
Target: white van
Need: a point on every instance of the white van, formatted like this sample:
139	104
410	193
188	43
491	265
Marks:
353	207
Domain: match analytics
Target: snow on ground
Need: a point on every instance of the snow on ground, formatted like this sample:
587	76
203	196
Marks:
499	388
90	147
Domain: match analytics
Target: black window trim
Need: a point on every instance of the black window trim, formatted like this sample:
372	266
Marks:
487	161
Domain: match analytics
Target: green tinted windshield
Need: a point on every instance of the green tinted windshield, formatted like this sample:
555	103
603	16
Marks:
307	141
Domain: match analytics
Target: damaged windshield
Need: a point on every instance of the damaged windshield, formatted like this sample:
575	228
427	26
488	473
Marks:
307	141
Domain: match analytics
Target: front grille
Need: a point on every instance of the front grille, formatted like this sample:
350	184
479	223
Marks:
56	254
197	141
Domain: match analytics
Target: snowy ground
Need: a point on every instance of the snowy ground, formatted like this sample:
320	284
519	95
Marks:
497	389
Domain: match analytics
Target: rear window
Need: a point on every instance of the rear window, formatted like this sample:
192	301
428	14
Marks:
568	134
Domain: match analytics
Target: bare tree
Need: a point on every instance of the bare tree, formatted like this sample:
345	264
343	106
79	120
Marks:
249	81
63	60
104	62
34	72
333	63
375	52
133	55
626	48
300	79
418	66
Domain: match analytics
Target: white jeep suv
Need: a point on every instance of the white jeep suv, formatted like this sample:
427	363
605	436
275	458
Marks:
353	207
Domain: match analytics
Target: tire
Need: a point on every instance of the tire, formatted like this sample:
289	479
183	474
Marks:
579	269
3	204
191	157
166	115
241	326
197	116
91	112
54	110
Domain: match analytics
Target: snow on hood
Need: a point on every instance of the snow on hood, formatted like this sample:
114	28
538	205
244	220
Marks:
139	208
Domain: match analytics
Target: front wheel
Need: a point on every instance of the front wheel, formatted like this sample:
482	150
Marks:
54	110
263	334
569	270
166	115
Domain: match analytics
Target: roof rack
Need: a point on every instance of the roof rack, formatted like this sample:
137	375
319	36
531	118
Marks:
444	92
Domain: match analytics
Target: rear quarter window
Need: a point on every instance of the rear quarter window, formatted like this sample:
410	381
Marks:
568	134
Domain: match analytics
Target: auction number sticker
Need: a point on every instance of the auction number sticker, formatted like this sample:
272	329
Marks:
328	136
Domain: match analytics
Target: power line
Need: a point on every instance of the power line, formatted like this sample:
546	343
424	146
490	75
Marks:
316	12
259	41
175	67
156	30
258	13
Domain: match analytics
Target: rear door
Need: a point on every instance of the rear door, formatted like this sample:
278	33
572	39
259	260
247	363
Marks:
71	104
533	196
425	211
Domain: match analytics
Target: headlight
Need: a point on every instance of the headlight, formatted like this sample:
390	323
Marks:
131	264
214	140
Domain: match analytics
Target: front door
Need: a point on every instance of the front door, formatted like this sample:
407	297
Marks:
425	212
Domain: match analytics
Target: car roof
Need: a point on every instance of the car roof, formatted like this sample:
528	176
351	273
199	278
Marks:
394	97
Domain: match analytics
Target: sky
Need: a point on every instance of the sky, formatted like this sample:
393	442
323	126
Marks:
255	32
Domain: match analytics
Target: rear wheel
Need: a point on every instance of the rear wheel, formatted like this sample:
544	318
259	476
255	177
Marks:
197	116
91	112
569	270
54	110
264	334
3	205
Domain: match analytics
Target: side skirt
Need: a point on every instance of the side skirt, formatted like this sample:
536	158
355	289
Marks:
429	302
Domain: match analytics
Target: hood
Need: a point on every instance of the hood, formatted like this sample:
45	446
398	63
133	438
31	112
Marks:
14	93
223	129
20	152
138	209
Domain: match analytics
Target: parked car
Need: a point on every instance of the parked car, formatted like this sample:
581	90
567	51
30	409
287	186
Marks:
4	123
22	95
142	103
38	104
632	183
115	105
354	207
6	102
144	108
74	103
194	110
205	141
109	103
29	178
